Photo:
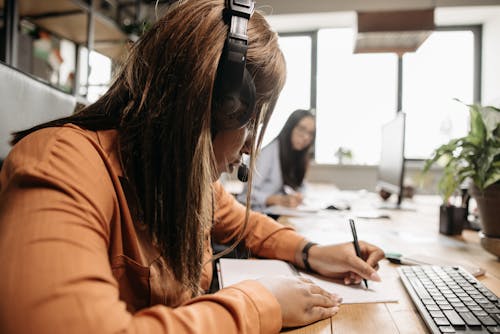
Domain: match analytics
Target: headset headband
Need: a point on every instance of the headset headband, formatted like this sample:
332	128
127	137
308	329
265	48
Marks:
234	83
239	12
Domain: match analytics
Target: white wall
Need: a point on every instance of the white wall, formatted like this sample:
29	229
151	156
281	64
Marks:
355	177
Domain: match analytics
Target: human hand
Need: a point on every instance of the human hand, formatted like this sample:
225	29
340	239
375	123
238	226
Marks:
291	200
340	261
302	302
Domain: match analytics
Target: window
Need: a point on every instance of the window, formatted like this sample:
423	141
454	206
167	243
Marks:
97	82
67	69
357	93
296	92
440	71
100	75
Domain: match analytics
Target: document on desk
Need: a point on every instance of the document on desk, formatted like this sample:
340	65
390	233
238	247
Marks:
232	271
300	211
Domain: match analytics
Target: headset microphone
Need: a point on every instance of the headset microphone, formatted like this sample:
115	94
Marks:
243	173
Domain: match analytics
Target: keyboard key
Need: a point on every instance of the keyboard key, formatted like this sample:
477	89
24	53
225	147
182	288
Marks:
491	297
419	288
457	305
480	313
487	320
492	310
461	309
470	302
493	329
447	329
432	307
454	318
442	302
436	314
475	308
470	319
467	300
481	300
442	321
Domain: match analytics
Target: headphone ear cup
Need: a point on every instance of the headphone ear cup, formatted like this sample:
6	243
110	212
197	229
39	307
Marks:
235	109
229	107
226	113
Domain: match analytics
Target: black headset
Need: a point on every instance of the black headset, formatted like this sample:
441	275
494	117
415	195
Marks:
234	89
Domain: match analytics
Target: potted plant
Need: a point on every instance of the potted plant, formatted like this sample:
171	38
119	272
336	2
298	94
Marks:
343	154
475	158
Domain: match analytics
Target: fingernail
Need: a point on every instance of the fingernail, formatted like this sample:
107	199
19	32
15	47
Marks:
375	277
335	309
347	281
336	298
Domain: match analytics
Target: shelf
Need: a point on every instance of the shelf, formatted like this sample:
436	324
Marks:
72	27
37	7
68	19
116	51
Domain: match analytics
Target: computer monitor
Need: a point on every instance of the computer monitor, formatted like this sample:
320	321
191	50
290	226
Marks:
392	161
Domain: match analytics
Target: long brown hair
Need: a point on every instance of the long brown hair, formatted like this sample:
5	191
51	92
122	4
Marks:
160	103
293	163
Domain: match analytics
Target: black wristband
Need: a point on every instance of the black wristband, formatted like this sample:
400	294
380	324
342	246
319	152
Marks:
305	255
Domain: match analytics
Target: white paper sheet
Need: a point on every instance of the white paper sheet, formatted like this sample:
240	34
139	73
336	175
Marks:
300	211
377	292
232	271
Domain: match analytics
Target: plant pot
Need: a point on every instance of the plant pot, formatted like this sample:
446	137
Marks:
488	204
451	219
492	245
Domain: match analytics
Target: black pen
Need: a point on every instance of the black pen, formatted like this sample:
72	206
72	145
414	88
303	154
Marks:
356	243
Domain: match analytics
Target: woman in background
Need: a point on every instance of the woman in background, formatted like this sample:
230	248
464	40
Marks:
281	165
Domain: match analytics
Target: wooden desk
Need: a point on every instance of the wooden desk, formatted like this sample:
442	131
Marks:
406	232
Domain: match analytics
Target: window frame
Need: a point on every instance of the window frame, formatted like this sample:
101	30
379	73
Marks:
476	29
314	62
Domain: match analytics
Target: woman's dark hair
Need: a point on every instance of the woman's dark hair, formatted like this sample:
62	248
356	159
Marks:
293	163
161	106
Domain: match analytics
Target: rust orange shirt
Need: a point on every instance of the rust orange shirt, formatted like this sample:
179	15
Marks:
73	260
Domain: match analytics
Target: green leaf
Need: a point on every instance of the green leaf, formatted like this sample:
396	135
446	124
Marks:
475	156
477	132
491	118
494	178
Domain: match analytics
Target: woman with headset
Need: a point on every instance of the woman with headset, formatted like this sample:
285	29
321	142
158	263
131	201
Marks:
106	216
281	165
